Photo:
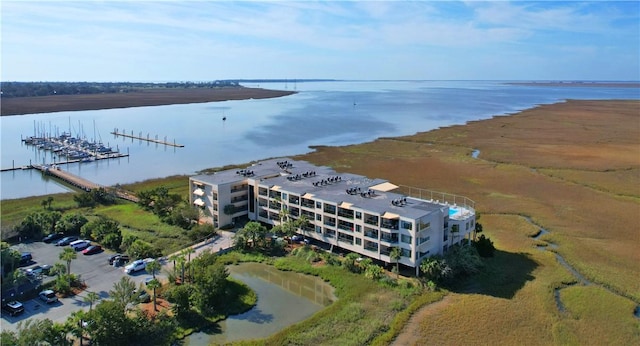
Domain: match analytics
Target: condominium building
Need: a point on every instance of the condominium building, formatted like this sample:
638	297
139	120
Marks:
349	211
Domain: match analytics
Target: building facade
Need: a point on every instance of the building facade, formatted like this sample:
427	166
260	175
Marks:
349	211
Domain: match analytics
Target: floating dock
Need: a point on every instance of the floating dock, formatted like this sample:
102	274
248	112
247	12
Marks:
147	139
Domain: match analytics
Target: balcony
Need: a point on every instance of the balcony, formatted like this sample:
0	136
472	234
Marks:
346	213
370	246
371	234
329	209
371	220
308	203
345	226
294	200
389	238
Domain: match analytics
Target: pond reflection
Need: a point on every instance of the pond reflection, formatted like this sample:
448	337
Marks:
284	298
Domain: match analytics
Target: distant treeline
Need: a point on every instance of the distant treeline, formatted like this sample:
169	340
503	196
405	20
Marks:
26	89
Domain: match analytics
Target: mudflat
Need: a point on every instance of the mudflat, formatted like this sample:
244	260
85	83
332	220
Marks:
144	97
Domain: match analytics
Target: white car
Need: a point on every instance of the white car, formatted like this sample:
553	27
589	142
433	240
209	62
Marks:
135	266
48	296
79	245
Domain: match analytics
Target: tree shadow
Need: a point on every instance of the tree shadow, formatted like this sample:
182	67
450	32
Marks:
254	316
502	275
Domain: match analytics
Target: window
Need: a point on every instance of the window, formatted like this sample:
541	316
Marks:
467	226
358	241
407	225
358	228
405	252
423	225
318	217
358	215
284	196
407	239
318	205
422	240
318	229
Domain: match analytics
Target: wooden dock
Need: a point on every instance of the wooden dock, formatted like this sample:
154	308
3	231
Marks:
82	183
147	139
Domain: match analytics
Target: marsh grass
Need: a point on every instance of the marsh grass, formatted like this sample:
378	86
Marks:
558	165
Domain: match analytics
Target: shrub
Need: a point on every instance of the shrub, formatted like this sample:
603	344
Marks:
484	246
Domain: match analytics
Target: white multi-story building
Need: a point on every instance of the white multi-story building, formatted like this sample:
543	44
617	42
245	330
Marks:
350	211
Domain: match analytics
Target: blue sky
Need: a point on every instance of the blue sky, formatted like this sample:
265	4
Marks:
209	40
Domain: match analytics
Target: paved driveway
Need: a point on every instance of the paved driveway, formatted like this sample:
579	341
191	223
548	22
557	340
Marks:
98	275
95	270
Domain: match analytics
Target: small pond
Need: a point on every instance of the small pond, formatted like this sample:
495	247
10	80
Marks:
284	298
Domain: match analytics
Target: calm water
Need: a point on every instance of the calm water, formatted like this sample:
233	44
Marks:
323	113
284	298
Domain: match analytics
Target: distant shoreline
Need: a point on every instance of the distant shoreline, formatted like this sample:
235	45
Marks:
152	97
580	84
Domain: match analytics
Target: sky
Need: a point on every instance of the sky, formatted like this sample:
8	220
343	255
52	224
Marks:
194	40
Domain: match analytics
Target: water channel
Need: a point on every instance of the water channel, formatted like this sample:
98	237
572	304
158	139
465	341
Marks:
580	279
284	298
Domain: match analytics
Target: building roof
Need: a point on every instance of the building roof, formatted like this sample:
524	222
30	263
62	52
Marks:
323	183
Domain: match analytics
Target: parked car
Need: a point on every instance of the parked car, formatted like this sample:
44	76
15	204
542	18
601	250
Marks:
25	259
66	240
52	237
118	259
92	249
79	245
142	296
48	296
135	266
34	271
13	308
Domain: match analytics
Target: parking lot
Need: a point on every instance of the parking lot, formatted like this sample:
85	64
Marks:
97	274
94	270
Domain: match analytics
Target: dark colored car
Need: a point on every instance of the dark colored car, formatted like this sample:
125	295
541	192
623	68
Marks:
66	240
52	237
119	259
25	258
93	249
13	308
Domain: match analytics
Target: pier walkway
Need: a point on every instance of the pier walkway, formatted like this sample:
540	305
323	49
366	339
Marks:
82	183
152	140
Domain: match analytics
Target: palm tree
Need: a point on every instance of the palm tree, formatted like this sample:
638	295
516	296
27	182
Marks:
186	253
153	267
395	255
58	268
68	255
91	298
153	284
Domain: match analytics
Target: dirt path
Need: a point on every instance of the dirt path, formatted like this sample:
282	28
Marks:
410	334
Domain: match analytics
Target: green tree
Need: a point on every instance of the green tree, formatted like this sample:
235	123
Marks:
110	325
373	272
180	297
350	262
153	285
10	258
153	268
58	269
210	288
123	292
395	255
484	246
254	230
68	255
435	268
91	298
40	332
71	223
141	249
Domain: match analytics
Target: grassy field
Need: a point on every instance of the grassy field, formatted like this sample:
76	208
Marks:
571	168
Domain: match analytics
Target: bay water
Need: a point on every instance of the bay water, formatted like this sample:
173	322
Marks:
332	113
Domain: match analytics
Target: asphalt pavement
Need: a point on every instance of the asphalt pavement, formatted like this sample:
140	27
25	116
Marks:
97	274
